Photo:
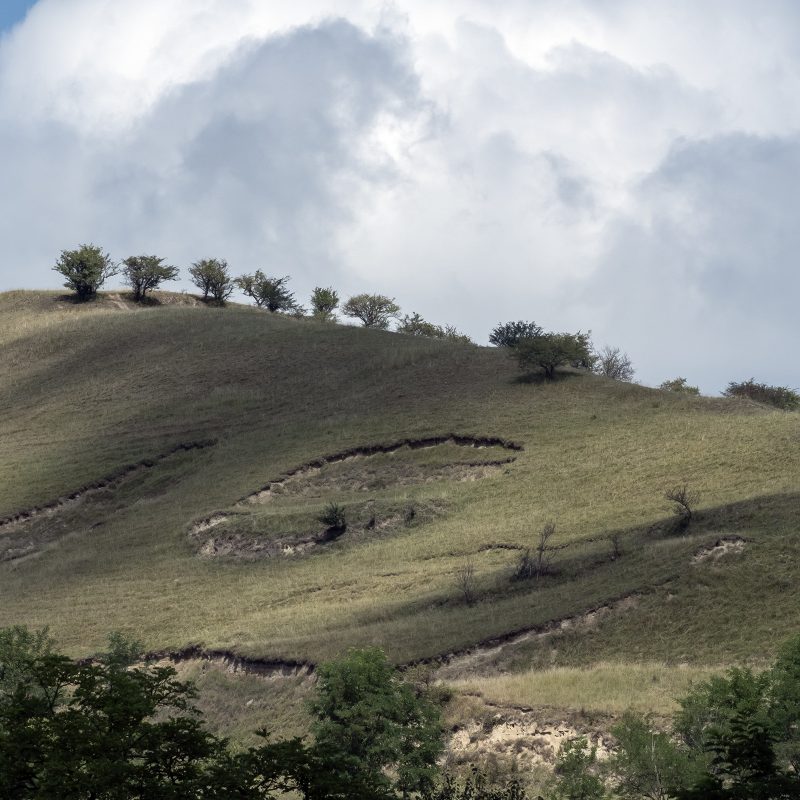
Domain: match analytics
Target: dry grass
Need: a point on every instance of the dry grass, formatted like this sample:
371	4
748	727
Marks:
604	688
89	389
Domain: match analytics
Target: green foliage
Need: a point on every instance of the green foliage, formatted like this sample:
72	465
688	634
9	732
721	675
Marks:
144	273
85	270
211	276
334	517
679	386
368	721
269	293
509	334
548	351
577	773
612	363
324	302
374	310
648	763
476	787
777	396
416	325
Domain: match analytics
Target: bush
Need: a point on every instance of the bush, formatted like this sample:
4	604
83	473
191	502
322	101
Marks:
576	773
537	564
613	363
211	276
269	293
509	333
334	517
324	303
85	269
682	502
416	325
552	350
374	310
144	273
777	396
465	581
679	386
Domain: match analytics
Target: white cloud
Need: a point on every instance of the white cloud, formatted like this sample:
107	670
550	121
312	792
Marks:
625	166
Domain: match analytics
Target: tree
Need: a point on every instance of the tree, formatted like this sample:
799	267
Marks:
682	502
679	386
576	773
367	720
85	270
648	763
613	363
269	293
777	396
324	302
211	276
144	273
548	351
509	334
374	310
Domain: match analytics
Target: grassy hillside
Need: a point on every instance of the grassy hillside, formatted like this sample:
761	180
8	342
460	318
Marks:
89	391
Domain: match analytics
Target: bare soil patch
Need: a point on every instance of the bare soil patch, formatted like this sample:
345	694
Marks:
722	547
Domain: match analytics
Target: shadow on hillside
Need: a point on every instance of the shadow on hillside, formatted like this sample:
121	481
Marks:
538	378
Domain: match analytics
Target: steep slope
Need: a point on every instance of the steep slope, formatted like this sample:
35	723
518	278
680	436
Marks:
162	472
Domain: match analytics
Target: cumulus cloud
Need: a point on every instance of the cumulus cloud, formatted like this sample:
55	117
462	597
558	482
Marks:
624	166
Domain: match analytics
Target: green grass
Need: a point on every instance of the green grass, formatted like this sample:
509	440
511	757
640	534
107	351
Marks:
89	389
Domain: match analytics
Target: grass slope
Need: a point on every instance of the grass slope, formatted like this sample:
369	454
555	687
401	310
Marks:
90	389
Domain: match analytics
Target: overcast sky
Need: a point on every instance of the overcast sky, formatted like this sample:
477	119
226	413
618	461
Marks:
627	166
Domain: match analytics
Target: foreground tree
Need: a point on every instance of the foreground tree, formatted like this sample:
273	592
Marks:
211	276
509	334
778	396
374	310
85	270
324	302
549	351
145	273
267	292
368	720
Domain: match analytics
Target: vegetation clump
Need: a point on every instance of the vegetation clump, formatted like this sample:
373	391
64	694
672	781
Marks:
679	386
539	563
373	310
324	302
212	277
777	396
509	334
549	351
682	502
612	363
145	273
269	293
85	270
416	325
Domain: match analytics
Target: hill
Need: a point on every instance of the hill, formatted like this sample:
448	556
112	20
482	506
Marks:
163	470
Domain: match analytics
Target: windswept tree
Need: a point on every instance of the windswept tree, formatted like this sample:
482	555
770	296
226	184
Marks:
549	351
85	270
324	302
374	310
613	363
509	334
211	276
267	292
145	273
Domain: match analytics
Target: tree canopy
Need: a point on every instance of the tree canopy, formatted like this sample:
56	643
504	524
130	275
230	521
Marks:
145	273
85	270
374	310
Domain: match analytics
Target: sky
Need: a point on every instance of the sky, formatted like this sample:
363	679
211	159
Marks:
630	167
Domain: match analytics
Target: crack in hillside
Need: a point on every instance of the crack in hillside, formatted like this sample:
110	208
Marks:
13	522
